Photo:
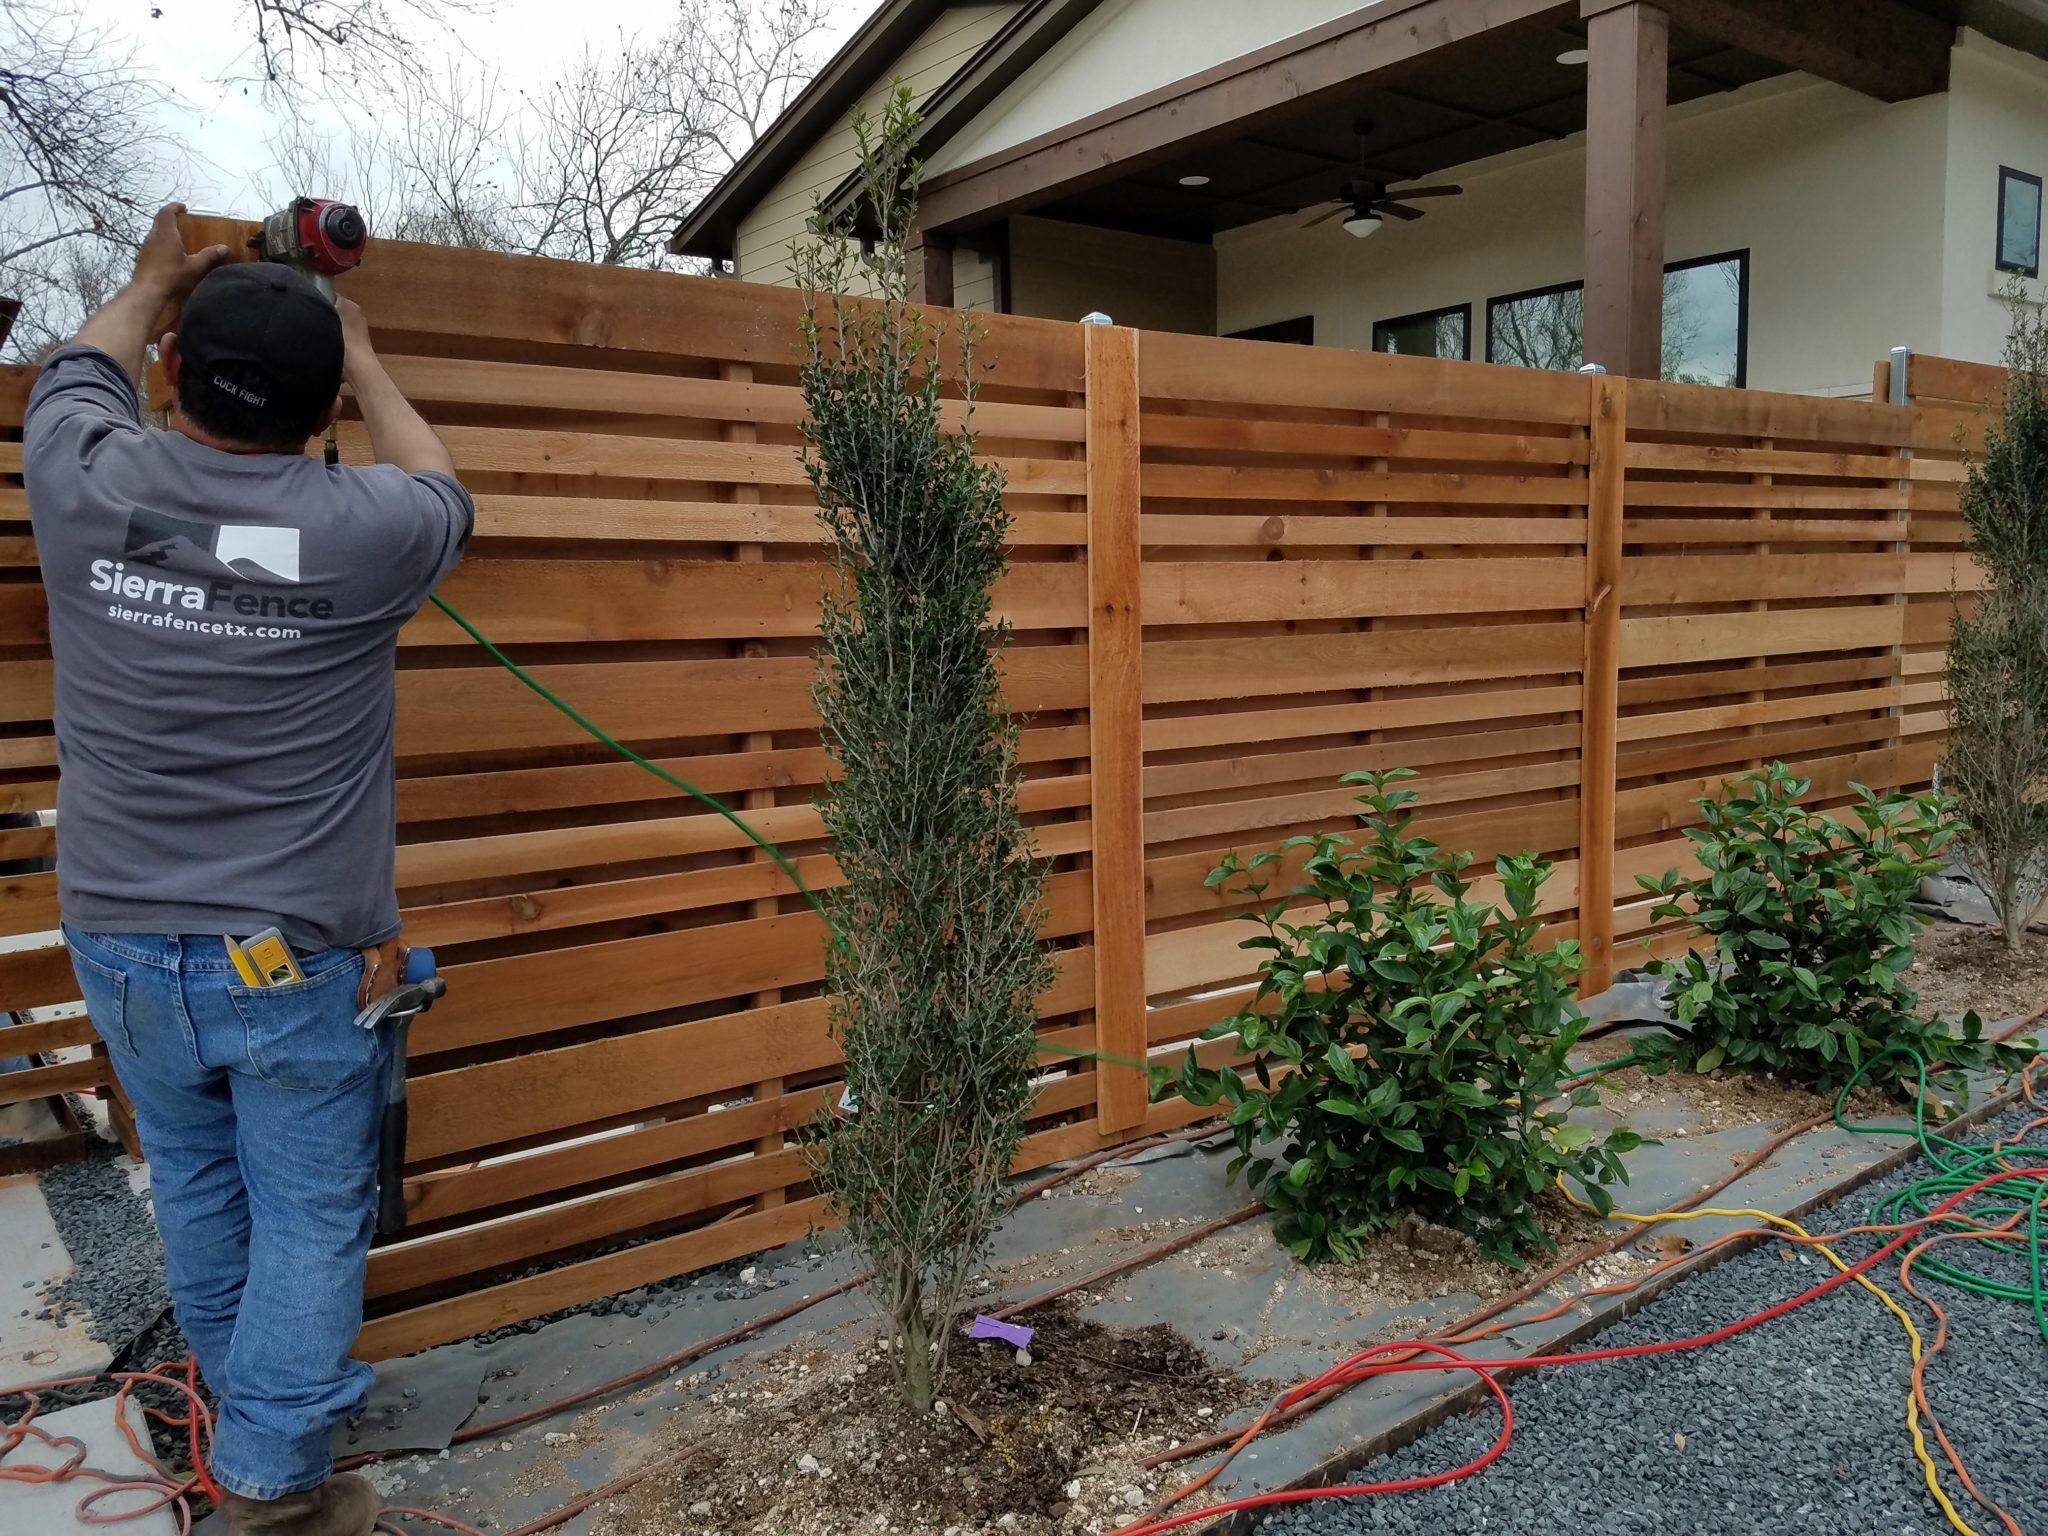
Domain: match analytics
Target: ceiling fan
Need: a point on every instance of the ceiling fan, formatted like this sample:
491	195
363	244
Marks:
1363	201
1365	197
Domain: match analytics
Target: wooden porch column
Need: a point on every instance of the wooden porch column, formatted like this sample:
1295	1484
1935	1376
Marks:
930	262
1630	44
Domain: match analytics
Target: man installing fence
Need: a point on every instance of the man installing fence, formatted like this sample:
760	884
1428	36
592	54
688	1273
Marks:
223	616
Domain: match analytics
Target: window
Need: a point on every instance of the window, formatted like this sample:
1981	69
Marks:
1706	323
1445	333
1301	330
2019	222
1543	328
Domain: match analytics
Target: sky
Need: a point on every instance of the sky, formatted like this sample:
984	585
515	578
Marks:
198	48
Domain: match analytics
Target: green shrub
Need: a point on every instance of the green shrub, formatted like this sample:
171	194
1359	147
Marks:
1407	1045
1812	927
936	963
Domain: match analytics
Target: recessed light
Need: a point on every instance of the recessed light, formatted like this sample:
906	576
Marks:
1574	56
1194	181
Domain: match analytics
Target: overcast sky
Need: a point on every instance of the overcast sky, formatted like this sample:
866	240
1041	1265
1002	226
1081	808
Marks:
199	47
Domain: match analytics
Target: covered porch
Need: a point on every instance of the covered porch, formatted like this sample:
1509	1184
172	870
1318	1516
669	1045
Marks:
1638	182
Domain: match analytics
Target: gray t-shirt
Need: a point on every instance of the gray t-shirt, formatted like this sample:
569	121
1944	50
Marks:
225	633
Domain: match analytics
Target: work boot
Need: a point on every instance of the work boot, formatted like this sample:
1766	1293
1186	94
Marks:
344	1505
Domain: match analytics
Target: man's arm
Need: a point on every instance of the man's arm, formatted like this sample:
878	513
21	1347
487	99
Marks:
398	434
164	275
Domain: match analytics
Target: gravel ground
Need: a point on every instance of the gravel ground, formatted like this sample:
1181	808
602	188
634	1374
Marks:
117	1277
1796	1425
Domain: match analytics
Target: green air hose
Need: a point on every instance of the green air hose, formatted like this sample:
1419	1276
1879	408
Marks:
1959	1165
676	781
598	731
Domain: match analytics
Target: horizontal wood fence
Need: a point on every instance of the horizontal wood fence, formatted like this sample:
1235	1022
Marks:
1239	571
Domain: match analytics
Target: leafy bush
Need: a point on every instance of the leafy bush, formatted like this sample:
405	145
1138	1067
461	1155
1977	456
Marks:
1812	929
1407	1045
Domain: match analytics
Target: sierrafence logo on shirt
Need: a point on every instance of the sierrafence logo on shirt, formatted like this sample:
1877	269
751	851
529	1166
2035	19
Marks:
179	555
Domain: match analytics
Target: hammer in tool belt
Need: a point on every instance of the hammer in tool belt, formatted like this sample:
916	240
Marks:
417	991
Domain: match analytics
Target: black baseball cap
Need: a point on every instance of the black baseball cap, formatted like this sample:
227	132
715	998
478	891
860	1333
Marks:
263	335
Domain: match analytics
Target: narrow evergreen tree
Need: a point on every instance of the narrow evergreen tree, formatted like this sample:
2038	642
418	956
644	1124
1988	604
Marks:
936	964
1998	655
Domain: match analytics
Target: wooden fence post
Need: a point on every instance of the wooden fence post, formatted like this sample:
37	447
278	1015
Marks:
1600	702
1115	722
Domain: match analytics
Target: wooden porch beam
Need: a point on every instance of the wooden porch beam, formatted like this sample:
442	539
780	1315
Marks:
1626	89
1334	62
1883	48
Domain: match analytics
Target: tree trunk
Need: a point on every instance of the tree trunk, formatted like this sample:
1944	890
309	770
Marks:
917	1352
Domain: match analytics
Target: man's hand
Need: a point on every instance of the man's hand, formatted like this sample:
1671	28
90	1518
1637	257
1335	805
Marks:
357	354
164	274
162	269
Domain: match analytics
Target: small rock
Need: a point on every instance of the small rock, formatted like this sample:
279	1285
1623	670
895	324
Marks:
1023	1357
1220	1335
412	1392
749	1275
939	1407
557	1437
1204	1413
1679	1440
808	1463
1008	1522
1073	1489
504	1445
701	1507
1134	1497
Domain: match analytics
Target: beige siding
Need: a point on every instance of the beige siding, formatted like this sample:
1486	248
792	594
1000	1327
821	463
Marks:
1123	49
1998	116
1063	271
1836	197
766	232
974	281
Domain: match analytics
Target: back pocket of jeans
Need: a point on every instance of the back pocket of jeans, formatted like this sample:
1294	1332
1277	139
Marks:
303	1035
105	991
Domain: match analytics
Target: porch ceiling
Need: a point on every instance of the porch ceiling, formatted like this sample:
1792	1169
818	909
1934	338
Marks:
1506	95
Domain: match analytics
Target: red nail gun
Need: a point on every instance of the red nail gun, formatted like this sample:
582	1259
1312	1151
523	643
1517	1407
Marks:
317	235
321	238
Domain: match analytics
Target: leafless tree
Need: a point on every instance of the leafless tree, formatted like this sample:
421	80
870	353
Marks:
598	165
622	145
81	161
439	177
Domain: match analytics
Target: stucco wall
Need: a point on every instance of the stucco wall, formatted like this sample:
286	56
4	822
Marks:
1835	196
762	254
1997	116
1123	49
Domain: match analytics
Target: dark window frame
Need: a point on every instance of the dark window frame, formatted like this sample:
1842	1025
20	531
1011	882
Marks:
1740	257
2006	177
1464	310
1741	260
1523	295
1298	331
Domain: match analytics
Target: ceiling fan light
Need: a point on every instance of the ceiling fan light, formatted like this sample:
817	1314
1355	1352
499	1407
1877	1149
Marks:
1575	56
1362	224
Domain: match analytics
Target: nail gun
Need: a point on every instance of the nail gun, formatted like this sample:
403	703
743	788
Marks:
321	238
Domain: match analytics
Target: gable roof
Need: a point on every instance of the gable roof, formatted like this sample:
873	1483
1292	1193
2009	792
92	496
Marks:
712	227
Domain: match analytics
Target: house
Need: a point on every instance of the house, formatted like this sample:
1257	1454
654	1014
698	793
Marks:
1737	191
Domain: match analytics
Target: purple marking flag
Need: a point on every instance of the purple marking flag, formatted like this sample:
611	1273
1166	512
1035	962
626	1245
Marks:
986	1327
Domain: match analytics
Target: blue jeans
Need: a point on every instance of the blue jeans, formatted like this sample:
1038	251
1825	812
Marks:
258	1111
